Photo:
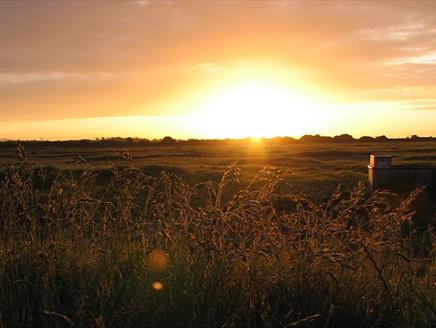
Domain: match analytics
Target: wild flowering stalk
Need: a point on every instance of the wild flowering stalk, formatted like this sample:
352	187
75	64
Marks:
136	250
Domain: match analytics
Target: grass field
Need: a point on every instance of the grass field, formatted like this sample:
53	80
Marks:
110	240
314	170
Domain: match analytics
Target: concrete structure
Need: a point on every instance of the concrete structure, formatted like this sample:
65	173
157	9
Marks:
380	161
401	179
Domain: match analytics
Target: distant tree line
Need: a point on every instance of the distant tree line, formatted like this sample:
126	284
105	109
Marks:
169	141
349	138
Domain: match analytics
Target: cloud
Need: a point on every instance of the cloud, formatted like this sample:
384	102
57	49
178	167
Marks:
429	58
422	105
392	33
382	50
7	79
205	67
143	2
428	107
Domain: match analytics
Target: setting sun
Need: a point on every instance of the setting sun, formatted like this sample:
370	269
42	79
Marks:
257	109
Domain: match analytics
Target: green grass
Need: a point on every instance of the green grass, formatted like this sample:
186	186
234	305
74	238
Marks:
82	246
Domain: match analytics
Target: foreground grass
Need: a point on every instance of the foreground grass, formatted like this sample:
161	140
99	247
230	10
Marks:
156	252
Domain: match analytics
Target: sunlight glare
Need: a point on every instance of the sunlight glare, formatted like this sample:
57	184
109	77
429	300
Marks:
258	109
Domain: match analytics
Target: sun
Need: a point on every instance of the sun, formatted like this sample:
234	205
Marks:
257	109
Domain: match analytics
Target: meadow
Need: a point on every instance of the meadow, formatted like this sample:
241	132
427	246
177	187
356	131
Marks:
228	234
311	169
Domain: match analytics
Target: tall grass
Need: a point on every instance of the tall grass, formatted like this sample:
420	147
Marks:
156	252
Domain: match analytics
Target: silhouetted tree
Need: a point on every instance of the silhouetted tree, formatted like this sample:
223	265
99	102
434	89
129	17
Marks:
366	139
343	138
168	141
382	138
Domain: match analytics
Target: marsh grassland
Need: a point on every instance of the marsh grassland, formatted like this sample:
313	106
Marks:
183	236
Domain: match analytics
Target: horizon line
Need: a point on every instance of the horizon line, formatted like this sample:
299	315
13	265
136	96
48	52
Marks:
332	137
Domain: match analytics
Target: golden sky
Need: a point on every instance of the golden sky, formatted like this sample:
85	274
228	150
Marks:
220	69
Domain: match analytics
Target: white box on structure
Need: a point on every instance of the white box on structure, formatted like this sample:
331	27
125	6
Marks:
380	161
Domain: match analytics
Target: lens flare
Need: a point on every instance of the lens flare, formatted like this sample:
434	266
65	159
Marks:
157	285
